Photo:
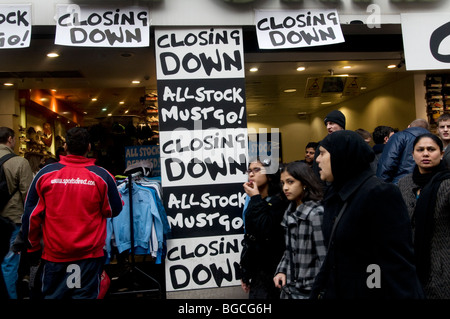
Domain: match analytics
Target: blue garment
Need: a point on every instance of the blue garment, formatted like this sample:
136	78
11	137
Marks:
396	159
247	200
148	214
72	280
10	267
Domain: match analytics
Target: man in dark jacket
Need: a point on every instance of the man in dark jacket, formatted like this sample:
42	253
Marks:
396	160
370	252
381	135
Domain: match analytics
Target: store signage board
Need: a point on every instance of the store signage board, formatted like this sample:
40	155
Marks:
297	28
15	26
426	40
204	153
144	153
88	26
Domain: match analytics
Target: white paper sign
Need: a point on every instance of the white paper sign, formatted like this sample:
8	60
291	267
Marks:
102	27
426	40
199	53
203	157
296	29
203	262
15	26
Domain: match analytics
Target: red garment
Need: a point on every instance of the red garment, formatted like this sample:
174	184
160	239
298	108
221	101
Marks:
67	206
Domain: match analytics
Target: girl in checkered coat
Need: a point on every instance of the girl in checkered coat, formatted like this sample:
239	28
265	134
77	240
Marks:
305	248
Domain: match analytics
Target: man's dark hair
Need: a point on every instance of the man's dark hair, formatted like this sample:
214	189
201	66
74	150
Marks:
312	144
77	141
5	133
380	132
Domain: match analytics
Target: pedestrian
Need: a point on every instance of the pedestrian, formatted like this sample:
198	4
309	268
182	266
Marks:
310	151
264	237
427	195
381	135
396	160
334	121
36	161
302	221
65	219
366	227
364	134
18	176
443	128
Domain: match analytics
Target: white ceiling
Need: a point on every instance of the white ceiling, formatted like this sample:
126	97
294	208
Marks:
106	74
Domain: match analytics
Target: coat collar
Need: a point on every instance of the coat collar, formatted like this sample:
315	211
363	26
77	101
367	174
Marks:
77	160
3	147
295	214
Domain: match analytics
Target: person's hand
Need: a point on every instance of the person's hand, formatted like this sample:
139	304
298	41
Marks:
245	287
279	280
251	189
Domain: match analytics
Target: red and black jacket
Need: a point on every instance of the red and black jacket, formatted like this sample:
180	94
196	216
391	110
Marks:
66	209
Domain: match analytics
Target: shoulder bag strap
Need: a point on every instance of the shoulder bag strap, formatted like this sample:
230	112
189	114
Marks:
3	159
336	221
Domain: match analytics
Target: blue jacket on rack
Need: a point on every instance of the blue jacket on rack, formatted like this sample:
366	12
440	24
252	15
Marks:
148	214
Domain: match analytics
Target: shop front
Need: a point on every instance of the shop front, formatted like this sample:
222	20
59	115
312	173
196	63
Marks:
194	89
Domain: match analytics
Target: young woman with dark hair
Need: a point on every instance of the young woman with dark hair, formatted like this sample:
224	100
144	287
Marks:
302	221
263	240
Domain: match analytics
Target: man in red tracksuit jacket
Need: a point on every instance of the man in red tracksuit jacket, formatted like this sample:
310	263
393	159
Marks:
65	218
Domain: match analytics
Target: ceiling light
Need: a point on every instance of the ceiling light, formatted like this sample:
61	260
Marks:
110	114
104	109
52	55
326	102
347	67
94	99
135	82
391	66
121	102
301	68
252	114
254	69
363	87
126	112
290	90
8	84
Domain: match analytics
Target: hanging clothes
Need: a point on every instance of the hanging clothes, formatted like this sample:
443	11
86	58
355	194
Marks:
150	224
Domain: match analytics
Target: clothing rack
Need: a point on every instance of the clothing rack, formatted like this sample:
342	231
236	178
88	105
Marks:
134	270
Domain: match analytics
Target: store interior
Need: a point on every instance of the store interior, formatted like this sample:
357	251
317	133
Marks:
110	89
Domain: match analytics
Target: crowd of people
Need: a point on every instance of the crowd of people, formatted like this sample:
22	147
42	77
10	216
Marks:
347	221
358	221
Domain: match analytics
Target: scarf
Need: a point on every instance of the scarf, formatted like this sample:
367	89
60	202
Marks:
423	216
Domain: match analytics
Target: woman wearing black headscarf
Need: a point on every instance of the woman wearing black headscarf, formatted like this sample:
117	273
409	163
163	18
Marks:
427	194
366	225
